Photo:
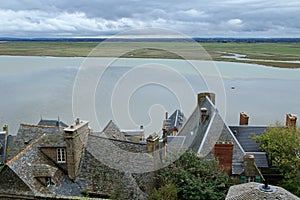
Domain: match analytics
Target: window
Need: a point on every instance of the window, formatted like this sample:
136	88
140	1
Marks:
61	155
48	182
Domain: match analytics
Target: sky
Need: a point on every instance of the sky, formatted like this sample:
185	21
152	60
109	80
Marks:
194	18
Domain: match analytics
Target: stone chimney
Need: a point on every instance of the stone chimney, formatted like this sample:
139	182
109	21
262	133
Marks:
223	151
5	128
152	143
244	118
76	137
202	96
291	121
250	167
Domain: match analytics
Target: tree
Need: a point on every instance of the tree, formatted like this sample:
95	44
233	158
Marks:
191	177
282	146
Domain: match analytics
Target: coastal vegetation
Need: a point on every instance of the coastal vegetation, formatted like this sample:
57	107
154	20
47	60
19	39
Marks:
286	55
282	146
191	177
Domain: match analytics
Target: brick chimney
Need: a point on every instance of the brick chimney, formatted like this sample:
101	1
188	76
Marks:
76	137
291	120
223	151
244	118
203	95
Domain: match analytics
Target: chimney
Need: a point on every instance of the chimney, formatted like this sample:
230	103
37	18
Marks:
167	115
5	128
244	118
203	114
291	121
153	149
152	143
250	166
76	137
223	151
202	96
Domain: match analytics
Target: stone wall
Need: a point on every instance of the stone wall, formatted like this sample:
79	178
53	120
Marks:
52	155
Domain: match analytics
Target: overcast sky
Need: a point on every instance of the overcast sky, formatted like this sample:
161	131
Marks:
195	18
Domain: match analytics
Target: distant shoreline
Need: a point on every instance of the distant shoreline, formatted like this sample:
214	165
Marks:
275	52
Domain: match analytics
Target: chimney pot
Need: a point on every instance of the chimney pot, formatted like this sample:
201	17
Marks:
291	120
244	118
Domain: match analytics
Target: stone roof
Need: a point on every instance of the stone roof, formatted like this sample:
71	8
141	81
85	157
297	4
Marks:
119	154
111	131
54	140
244	135
31	164
177	119
27	133
252	191
47	122
201	136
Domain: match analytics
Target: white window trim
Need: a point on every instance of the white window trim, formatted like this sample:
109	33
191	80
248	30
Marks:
61	155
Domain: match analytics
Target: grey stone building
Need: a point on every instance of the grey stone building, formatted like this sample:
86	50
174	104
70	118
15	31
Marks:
54	162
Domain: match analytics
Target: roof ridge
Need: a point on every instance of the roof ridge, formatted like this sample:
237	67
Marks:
37	125
126	141
24	150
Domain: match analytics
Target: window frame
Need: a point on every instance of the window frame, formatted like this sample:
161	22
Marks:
61	155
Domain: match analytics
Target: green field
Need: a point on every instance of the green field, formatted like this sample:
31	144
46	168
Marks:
173	50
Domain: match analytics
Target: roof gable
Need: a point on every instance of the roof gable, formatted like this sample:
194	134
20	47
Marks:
111	131
47	122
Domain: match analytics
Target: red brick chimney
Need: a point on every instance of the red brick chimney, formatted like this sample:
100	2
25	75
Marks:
291	121
244	118
223	152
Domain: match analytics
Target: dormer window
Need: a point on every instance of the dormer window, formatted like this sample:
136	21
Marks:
48	181
61	155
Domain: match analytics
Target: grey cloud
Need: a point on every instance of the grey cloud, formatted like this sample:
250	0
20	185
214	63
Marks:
218	18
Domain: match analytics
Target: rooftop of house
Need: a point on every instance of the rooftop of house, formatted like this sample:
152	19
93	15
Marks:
47	122
244	135
112	131
27	133
104	160
252	191
203	131
176	120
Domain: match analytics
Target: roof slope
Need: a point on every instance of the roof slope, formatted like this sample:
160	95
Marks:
31	164
175	120
201	136
111	131
47	122
244	136
27	133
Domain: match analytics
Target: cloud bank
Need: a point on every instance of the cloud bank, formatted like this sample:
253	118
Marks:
195	18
